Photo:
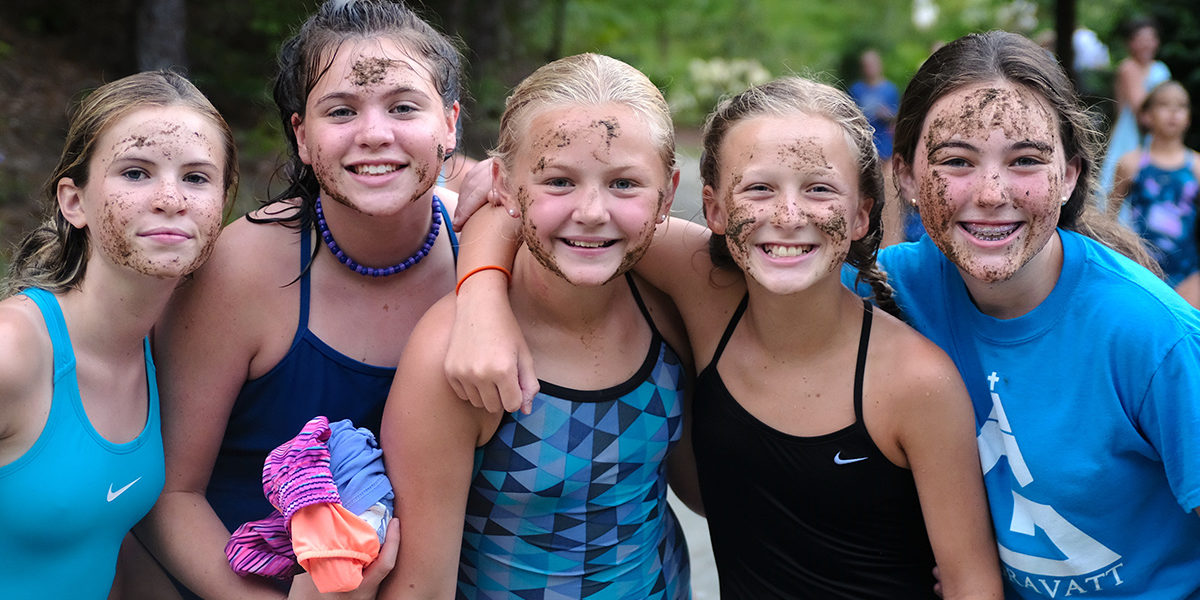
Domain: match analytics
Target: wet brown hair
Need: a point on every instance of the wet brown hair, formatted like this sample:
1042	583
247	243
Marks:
795	96
1009	57
54	255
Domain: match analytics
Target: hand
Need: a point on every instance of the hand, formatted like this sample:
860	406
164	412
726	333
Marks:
478	188
304	588
488	362
937	586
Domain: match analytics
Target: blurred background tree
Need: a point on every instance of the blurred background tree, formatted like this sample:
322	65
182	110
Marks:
695	50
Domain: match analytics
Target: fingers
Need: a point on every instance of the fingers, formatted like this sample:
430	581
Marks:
478	188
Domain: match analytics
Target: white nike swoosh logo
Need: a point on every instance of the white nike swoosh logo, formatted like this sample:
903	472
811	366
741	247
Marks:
837	459
113	495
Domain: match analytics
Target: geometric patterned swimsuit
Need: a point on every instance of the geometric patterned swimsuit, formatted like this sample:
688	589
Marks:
570	500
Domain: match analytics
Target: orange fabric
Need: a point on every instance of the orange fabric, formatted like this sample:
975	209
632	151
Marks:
333	545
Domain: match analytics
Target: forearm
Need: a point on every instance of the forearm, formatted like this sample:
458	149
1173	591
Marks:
185	535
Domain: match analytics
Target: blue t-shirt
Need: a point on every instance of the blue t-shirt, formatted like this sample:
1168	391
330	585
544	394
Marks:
879	102
1088	420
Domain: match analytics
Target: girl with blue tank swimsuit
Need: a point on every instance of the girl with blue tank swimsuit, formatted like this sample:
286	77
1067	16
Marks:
136	204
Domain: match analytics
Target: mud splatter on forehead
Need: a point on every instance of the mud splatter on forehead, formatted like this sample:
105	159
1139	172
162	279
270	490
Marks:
804	155
1016	112
370	70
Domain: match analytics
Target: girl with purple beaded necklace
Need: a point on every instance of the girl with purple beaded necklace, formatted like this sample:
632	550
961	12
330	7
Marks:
319	288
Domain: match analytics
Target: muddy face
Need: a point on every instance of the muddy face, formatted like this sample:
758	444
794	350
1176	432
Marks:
990	175
375	130
590	183
791	202
156	190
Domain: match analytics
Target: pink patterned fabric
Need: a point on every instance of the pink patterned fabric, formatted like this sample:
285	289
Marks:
263	547
296	474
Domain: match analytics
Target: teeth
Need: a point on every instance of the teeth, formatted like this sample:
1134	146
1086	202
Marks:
990	233
781	251
579	244
374	169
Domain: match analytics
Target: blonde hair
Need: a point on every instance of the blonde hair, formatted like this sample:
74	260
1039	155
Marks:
54	255
590	80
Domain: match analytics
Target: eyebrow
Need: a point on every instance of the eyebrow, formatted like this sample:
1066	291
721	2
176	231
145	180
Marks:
1038	145
396	91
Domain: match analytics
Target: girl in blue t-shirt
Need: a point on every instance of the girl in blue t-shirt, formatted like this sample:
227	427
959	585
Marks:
1080	362
135	205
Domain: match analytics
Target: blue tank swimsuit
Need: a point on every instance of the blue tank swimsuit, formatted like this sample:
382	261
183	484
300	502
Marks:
312	379
66	504
1162	209
570	500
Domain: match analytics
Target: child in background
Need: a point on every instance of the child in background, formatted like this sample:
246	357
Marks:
136	202
1156	186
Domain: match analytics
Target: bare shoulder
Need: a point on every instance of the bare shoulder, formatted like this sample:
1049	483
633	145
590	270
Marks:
916	371
26	359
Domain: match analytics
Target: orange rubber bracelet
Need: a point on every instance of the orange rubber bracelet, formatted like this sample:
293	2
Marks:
507	275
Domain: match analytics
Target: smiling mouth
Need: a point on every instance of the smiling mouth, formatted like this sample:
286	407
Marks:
787	251
582	244
990	233
374	169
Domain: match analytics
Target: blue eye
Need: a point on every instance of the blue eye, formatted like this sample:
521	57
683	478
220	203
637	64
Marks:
196	178
135	174
623	184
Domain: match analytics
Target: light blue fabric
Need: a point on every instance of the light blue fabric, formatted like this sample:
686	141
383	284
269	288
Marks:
356	462
66	504
1088	420
1125	136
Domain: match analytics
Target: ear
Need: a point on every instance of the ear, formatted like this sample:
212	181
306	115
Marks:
301	139
904	177
862	219
1071	176
664	209
500	187
451	141
70	202
714	211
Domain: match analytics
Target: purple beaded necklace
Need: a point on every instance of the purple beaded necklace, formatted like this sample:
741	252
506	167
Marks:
337	252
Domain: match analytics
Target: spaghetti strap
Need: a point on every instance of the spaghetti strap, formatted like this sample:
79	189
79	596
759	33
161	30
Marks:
733	321
450	231
305	286
637	297
863	339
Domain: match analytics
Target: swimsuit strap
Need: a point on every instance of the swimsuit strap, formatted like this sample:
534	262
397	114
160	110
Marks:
306	260
56	325
863	338
733	321
637	297
449	230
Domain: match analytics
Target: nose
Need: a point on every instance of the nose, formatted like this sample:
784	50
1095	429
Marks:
992	191
169	198
591	207
376	129
789	211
